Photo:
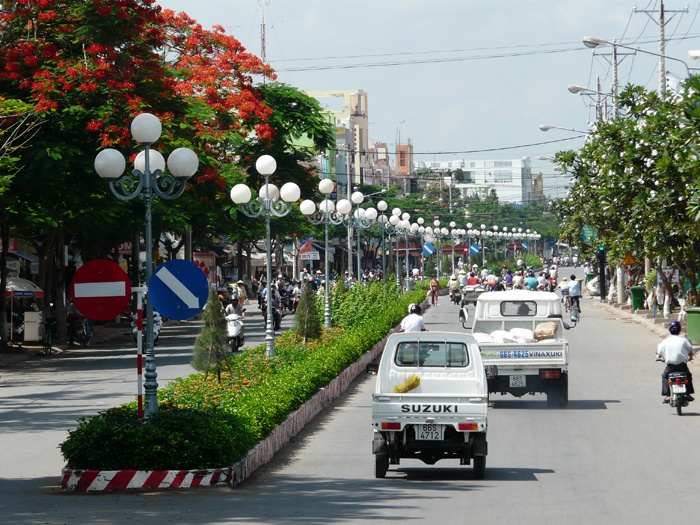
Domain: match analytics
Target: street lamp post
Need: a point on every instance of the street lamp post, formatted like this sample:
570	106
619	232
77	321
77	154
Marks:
457	235
482	234
382	207
439	233
267	203
362	219
547	127
400	225
326	214
593	42
148	180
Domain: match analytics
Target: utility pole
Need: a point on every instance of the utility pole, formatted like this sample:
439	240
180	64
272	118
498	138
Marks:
262	30
662	21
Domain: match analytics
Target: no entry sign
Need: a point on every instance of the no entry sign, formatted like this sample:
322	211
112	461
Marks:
100	290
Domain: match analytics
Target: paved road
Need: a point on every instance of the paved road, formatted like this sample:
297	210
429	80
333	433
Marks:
604	459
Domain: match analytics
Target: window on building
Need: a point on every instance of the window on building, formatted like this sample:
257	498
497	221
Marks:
503	176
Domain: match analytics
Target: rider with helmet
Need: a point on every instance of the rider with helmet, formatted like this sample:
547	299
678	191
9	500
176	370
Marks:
676	351
413	322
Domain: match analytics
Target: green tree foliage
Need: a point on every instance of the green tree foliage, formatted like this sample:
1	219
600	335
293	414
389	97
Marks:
210	348
636	183
307	319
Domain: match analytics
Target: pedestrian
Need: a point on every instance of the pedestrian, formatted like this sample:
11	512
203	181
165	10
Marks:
242	293
434	289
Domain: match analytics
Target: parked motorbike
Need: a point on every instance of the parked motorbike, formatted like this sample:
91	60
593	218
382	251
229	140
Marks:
78	330
235	331
157	325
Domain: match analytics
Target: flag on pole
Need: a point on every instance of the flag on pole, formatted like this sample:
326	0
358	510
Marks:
306	247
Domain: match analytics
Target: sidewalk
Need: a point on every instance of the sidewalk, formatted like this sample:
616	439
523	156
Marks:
32	349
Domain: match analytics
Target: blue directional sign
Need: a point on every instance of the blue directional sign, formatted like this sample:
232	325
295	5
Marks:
524	245
428	249
474	248
178	289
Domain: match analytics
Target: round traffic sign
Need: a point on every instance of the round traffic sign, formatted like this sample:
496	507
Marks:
100	290
178	289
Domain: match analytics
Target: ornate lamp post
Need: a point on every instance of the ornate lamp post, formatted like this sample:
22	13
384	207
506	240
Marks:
148	180
457	234
326	214
383	219
399	224
267	203
362	219
439	233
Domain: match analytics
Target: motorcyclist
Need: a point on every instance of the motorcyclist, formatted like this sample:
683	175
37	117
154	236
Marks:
234	307
676	351
453	286
413	322
462	278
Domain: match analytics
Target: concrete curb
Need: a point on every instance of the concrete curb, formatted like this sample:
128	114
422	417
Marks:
76	480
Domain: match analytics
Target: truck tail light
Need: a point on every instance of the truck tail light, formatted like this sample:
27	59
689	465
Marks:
467	426
550	374
391	425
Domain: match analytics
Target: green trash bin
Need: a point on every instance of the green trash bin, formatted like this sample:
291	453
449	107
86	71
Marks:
637	297
589	277
692	321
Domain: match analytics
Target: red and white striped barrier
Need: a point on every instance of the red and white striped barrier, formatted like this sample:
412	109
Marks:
76	480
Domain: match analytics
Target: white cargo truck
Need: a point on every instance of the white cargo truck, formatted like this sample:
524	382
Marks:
430	401
523	347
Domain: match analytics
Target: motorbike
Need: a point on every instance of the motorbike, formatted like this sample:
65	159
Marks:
235	331
276	316
78	330
456	296
157	325
464	316
678	382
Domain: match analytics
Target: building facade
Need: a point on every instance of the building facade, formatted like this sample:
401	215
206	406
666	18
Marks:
510	179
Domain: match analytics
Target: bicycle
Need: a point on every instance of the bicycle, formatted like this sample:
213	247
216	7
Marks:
49	327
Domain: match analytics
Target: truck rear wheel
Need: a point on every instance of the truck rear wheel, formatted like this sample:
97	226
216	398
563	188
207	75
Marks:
381	465
479	467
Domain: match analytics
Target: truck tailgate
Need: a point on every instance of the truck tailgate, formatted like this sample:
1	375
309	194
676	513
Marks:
529	355
409	409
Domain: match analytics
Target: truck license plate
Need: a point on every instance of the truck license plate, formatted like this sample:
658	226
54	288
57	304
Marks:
430	432
678	389
517	382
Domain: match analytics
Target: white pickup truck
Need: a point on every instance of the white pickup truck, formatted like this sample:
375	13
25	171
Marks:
430	401
521	336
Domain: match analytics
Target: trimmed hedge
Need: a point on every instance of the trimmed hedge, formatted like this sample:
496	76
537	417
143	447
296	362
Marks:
204	424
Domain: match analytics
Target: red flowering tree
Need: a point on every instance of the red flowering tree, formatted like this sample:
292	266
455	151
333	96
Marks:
88	67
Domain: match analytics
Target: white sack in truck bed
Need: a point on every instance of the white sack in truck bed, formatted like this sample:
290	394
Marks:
546	330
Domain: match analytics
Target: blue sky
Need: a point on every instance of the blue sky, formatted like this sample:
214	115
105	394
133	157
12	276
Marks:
460	78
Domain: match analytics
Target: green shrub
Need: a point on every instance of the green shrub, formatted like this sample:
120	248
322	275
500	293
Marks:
180	438
204	423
